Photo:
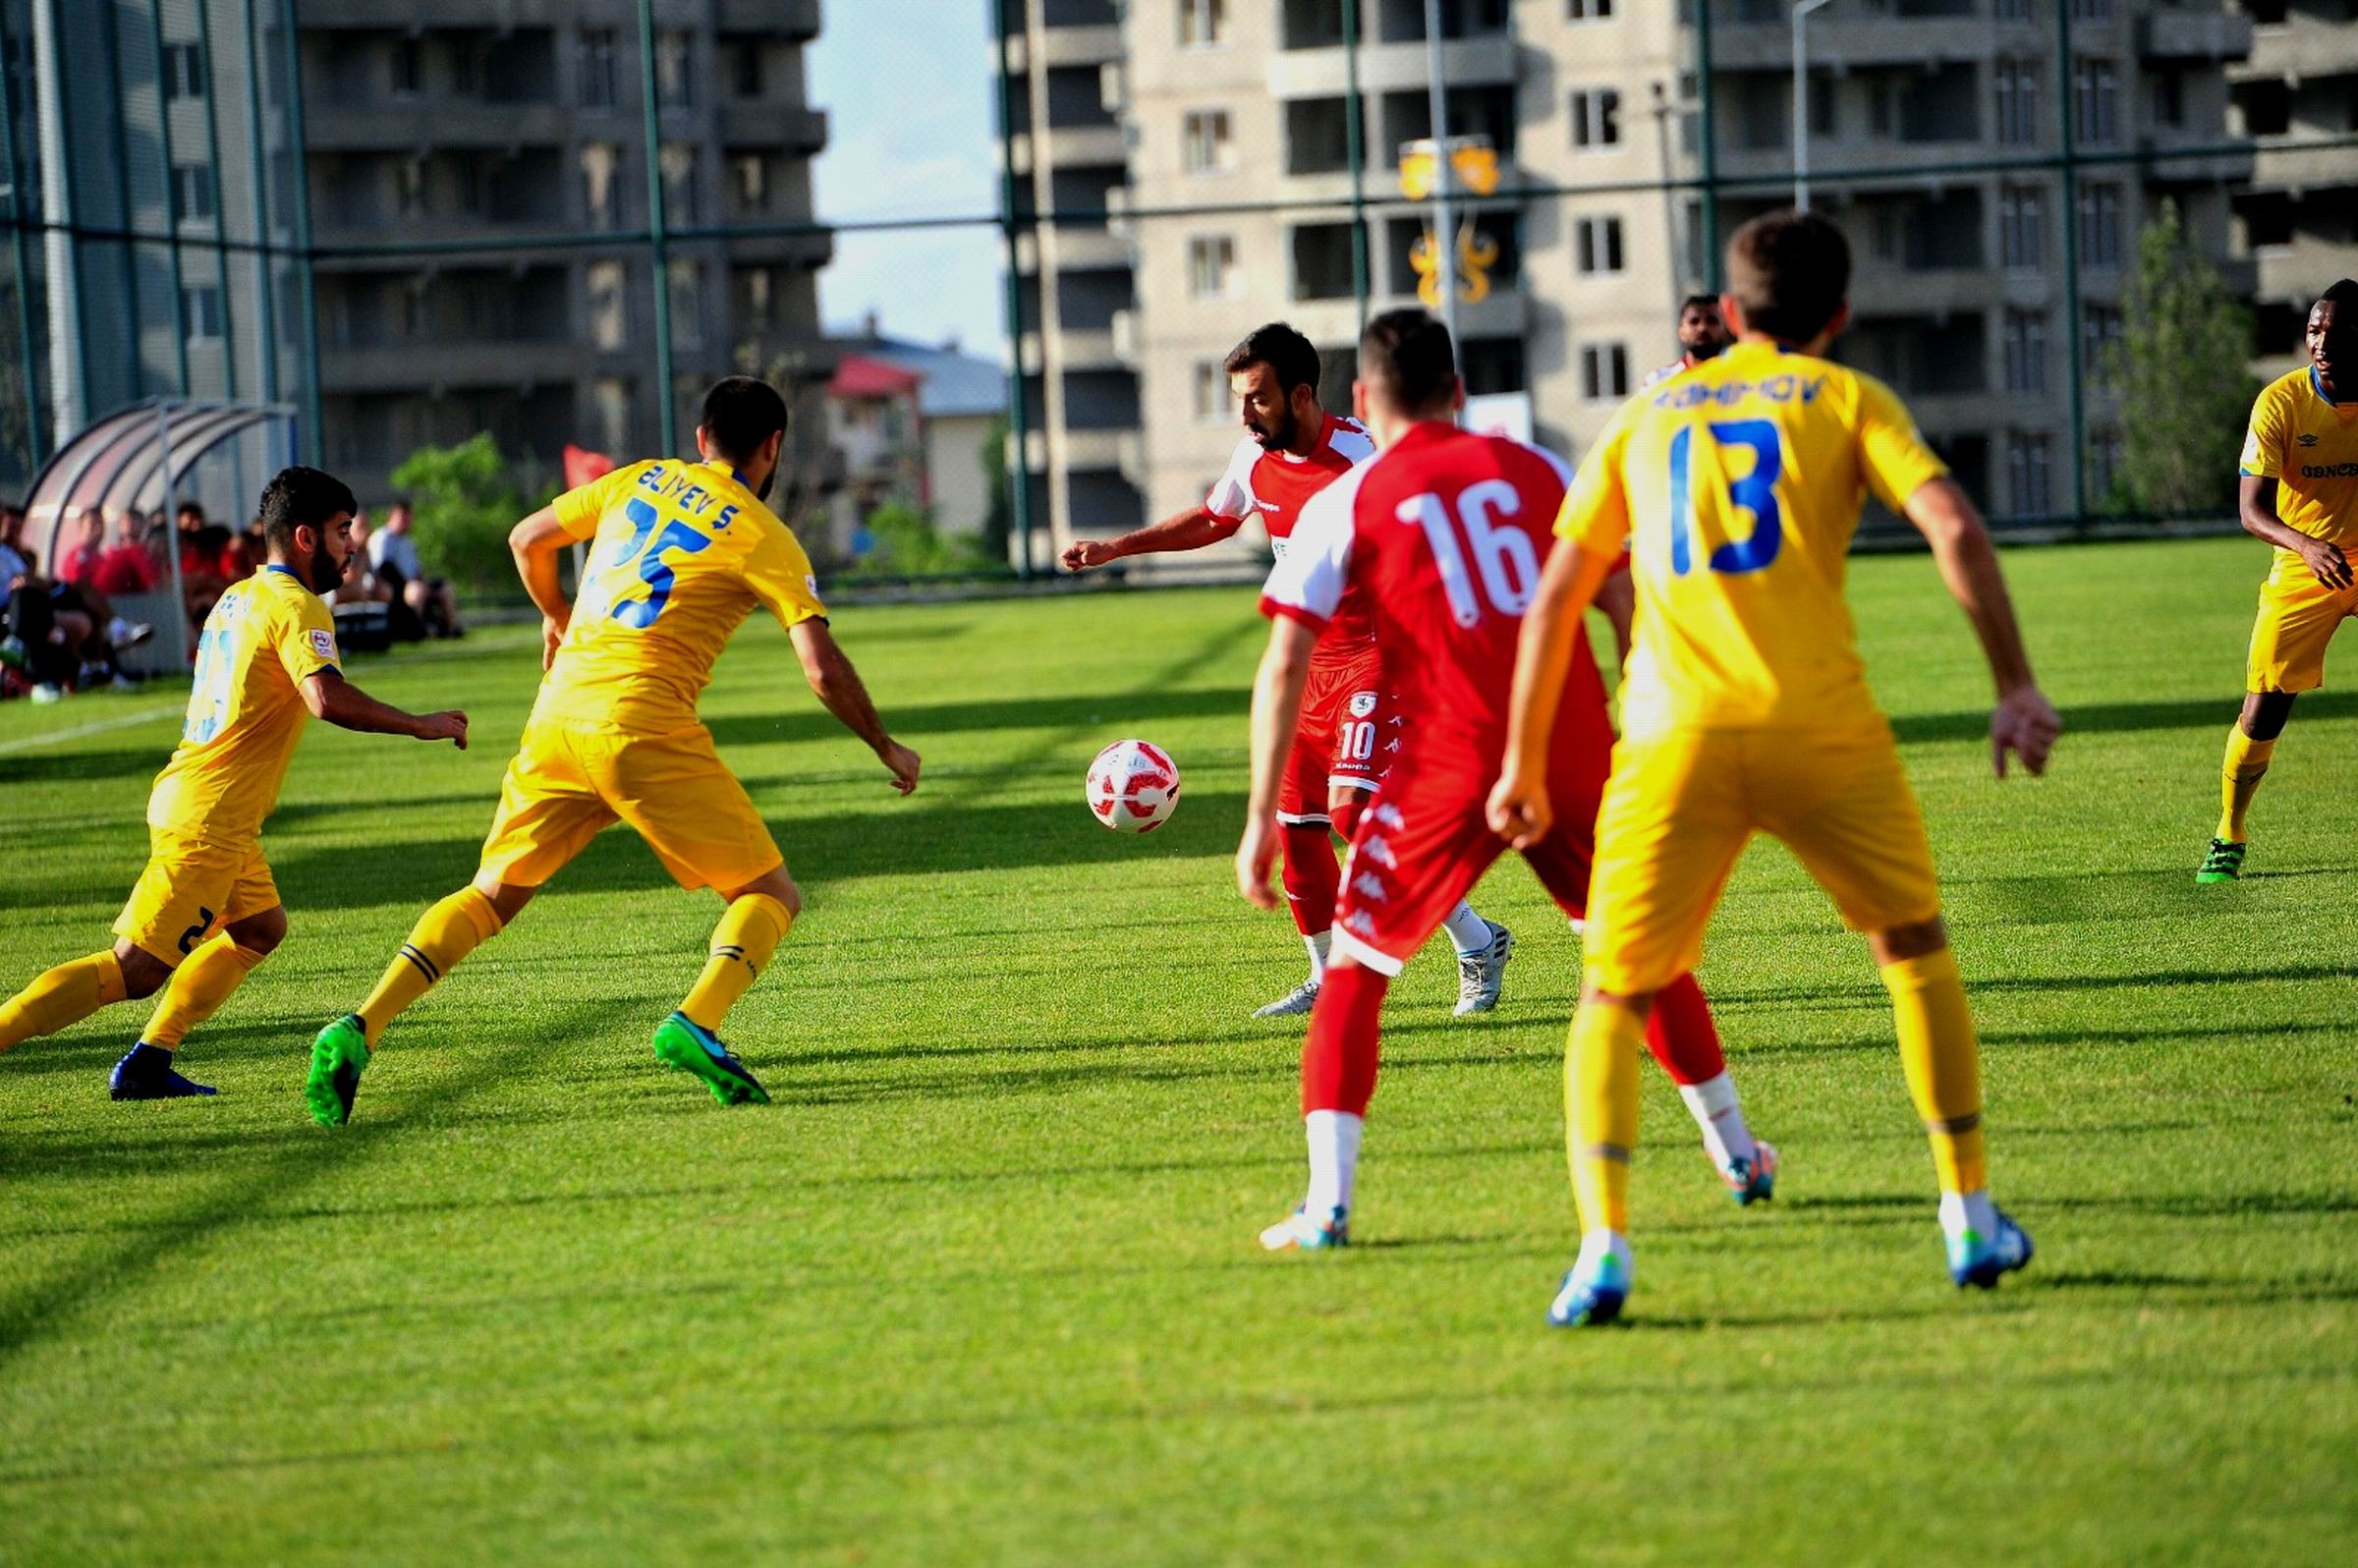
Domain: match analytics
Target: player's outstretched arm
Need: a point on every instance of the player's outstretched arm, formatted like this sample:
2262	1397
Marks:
2024	724
2256	508
336	699
1519	810
537	543
838	687
1277	712
1191	530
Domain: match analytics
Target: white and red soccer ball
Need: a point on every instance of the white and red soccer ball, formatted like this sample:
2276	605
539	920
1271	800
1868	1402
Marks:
1133	786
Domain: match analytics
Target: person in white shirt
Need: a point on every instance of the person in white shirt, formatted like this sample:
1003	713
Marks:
393	558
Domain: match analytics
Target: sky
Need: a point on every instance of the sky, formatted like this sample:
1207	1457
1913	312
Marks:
906	87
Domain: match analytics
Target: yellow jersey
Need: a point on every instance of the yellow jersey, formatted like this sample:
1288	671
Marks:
2310	447
263	638
679	555
1737	487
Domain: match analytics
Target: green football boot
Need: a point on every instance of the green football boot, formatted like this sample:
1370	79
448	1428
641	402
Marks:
339	1055
2223	864
680	1042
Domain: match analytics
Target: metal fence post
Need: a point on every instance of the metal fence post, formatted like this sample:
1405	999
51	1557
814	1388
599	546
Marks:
2064	107
1707	132
213	161
1445	241
163	132
1019	422
264	252
1356	141
314	422
659	254
111	47
35	448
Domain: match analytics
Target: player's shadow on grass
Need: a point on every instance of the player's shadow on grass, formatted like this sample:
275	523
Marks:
82	768
2117	718
913	722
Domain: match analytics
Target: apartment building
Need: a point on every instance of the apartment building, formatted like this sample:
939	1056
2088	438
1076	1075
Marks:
1244	113
2298	217
1058	65
519	126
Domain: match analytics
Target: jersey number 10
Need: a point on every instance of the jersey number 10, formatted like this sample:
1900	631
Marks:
1755	492
1502	555
639	614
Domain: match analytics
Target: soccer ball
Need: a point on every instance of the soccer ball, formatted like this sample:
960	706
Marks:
1133	786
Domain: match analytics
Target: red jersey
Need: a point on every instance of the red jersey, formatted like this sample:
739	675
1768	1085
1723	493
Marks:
1274	486
1442	537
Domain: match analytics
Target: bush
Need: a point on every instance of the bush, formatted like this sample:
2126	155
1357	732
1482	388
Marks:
904	542
465	499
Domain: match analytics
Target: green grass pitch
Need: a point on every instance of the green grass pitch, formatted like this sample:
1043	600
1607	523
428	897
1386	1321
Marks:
981	1285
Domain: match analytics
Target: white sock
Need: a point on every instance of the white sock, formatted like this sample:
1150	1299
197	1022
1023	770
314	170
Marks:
1333	1138
1712	1104
1973	1211
1596	1243
1318	945
116	630
1468	931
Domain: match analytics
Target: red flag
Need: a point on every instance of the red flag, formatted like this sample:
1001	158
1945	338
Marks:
580	466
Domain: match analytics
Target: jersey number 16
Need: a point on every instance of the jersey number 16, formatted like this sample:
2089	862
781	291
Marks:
1502	555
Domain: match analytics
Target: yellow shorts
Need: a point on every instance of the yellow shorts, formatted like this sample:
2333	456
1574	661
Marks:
2298	617
566	784
193	887
1682	806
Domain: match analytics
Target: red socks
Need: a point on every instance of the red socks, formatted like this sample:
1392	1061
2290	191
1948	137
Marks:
1681	1036
1338	1058
1310	876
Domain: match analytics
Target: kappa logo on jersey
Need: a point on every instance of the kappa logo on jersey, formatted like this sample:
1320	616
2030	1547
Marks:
2307	438
323	643
1361	704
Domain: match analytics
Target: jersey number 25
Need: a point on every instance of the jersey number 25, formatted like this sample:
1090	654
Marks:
639	614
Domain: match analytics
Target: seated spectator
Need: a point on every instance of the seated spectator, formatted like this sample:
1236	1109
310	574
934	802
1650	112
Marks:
429	601
86	542
129	565
58	636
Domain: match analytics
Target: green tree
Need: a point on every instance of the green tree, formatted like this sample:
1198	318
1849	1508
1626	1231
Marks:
906	543
999	520
2182	366
466	499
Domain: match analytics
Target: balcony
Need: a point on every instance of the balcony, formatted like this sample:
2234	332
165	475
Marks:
795	20
2235	167
2299	173
501	16
1880	290
1074	251
2187	35
1065	46
1075	351
806	252
1487	59
1079	449
415	127
433	367
1334	323
1844	41
774	123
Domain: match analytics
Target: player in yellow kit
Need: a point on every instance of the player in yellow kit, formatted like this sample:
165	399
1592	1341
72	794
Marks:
679	555
1746	708
2299	491
205	911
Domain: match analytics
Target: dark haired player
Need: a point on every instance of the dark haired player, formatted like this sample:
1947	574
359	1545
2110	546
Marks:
680	555
2299	492
1738	485
205	911
1440	537
1701	336
1291	450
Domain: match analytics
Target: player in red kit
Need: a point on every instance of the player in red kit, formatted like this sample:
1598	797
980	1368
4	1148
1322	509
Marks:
1440	537
1350	727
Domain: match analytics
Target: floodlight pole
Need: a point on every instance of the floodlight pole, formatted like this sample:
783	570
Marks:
1801	101
1445	241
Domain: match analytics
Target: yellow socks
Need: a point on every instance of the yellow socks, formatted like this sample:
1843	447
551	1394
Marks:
198	988
443	935
1601	1109
2239	781
60	998
749	932
1941	1055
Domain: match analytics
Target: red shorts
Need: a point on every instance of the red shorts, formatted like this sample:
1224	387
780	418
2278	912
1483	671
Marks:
1350	732
1425	842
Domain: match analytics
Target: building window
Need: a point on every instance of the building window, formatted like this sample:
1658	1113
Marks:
602	196
749	174
192	193
1600	245
2099	225
409	188
2169	98
604	288
1202	23
1211	268
2096	101
408	68
2017	102
2026	352
675	83
2100	339
1209	145
601	68
1603	372
744	68
1596	118
682	189
184	72
2027	492
1590	10
687	280
200	312
1210	384
468	175
2091	10
414	316
1698	264
2106	452
465	70
2022	228
612	398
2012	10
